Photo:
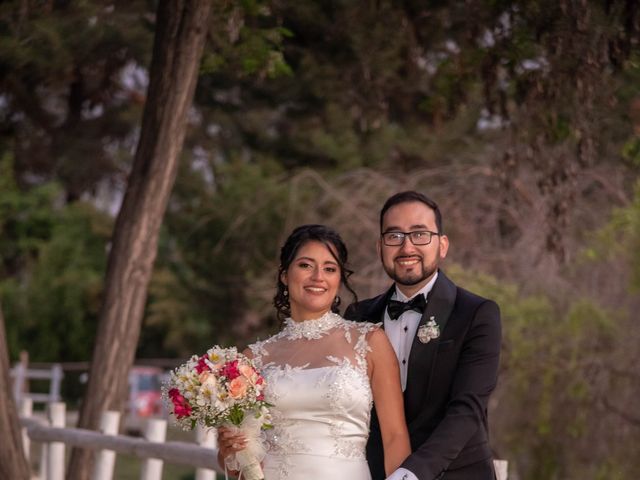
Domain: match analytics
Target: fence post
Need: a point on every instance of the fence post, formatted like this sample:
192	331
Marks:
155	431
54	386
55	456
26	410
106	459
206	437
19	372
44	461
501	467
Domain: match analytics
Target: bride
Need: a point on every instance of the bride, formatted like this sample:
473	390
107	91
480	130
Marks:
323	372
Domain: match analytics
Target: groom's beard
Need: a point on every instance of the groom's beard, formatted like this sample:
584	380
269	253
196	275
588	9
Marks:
421	272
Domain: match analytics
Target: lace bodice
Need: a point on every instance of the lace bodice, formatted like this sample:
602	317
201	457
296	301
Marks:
316	374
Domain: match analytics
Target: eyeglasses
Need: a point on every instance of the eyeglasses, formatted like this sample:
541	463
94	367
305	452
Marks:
395	239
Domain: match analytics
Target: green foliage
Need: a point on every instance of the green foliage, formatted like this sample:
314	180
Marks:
246	41
25	221
53	261
631	151
64	291
620	237
211	253
66	111
548	355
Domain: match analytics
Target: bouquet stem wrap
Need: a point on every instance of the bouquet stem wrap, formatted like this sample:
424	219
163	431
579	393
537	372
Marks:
247	460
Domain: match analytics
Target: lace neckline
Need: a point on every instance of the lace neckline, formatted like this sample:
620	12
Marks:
310	329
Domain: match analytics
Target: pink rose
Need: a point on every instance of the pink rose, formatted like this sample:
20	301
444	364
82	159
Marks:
248	372
238	388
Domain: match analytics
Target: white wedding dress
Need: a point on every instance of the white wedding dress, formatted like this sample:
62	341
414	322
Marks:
316	374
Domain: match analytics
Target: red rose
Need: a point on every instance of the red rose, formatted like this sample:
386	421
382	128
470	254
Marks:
230	370
181	411
181	407
202	365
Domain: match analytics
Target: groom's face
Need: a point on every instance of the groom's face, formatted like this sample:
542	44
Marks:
411	266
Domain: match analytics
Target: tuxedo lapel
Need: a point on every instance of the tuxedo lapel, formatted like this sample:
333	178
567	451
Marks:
379	306
422	357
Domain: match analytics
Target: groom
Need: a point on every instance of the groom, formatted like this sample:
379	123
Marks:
448	344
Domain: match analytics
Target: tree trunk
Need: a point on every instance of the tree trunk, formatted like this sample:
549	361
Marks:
181	28
13	463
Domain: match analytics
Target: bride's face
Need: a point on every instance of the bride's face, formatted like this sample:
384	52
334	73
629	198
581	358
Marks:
313	279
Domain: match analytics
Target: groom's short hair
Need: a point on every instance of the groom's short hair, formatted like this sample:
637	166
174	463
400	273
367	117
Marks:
412	196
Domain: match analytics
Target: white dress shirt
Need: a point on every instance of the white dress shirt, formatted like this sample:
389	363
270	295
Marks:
401	333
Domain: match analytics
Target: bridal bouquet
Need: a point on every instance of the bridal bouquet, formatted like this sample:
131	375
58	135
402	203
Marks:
222	388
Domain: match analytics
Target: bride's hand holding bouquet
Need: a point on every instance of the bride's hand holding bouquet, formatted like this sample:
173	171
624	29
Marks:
222	388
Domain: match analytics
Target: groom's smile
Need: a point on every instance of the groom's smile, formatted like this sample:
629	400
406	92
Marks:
407	266
408	261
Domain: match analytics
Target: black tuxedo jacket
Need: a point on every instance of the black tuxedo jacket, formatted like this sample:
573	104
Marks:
449	380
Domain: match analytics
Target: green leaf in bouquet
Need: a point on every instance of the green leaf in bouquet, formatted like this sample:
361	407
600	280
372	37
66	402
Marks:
236	415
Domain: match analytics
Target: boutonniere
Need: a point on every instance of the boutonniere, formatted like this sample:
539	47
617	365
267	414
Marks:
429	331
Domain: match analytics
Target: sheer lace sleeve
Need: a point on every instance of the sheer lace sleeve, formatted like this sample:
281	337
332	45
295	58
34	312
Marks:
329	340
361	346
258	351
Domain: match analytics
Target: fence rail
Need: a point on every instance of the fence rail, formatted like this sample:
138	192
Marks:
174	452
153	449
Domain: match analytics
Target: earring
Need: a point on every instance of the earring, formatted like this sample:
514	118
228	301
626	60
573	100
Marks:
336	301
285	292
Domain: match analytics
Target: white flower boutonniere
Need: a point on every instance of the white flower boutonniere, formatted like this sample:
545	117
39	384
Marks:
429	331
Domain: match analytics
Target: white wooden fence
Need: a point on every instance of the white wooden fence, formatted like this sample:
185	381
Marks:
21	375
152	449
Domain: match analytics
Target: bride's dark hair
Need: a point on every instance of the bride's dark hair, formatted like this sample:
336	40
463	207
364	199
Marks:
300	236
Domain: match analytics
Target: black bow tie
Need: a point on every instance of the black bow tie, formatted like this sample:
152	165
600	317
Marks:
396	308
